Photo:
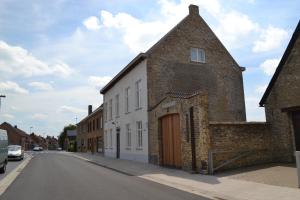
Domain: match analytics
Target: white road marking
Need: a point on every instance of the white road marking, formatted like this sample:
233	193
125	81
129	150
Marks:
8	179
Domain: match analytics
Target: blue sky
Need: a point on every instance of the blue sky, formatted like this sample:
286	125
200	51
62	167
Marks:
56	55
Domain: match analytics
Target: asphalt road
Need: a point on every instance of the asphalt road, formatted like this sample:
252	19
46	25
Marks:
53	176
11	165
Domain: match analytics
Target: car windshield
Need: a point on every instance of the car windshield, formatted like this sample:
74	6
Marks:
14	148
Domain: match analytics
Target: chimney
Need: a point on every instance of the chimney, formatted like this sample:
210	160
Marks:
193	10
90	109
16	126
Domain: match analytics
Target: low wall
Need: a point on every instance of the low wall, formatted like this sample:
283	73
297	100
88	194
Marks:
251	139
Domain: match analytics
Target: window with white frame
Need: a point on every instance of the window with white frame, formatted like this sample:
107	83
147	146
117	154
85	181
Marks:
127	95
105	112
117	106
105	139
198	55
139	131
110	139
110	109
128	135
138	94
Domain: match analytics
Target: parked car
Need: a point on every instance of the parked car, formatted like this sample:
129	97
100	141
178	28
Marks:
59	149
15	152
3	151
37	148
41	148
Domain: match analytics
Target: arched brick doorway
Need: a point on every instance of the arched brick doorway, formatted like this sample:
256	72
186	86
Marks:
171	141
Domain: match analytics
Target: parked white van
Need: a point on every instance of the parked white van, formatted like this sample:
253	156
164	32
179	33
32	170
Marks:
3	150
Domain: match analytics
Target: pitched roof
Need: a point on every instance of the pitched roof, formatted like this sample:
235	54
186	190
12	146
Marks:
281	64
15	129
92	114
124	71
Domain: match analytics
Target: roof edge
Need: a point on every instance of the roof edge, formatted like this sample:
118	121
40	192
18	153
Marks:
281	64
140	57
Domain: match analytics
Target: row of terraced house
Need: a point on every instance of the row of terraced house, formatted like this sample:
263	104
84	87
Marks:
181	104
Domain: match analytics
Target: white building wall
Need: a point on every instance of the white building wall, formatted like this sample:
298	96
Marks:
129	80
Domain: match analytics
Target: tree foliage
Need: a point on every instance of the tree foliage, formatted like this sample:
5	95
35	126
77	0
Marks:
63	134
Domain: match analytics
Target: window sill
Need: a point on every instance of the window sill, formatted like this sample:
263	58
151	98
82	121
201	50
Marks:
127	113
140	108
196	62
139	148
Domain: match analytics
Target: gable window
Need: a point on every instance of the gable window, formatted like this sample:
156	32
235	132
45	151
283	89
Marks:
117	105
197	55
127	94
110	109
128	135
139	130
138	94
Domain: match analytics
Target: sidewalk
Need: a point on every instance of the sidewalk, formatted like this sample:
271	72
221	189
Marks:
208	186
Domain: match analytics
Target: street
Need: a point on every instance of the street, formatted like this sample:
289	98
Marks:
57	176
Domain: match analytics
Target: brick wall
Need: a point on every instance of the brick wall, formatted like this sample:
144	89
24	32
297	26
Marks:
253	139
285	93
169	69
181	106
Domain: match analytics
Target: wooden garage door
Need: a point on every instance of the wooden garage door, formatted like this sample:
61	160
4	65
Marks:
171	141
296	123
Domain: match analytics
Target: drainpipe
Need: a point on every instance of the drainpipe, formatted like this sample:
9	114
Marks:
193	145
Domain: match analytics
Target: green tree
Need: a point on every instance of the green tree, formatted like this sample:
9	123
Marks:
63	134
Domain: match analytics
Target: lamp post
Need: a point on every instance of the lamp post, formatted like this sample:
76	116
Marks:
1	96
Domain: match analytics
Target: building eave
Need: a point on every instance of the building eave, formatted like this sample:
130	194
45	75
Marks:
139	58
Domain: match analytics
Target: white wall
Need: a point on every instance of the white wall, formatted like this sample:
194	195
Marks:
134	115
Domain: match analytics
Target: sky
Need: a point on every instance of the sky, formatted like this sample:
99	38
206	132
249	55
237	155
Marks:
56	55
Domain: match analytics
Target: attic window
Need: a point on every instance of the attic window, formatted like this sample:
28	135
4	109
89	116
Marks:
197	55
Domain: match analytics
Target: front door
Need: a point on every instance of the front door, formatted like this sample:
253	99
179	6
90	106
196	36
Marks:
171	141
118	143
296	124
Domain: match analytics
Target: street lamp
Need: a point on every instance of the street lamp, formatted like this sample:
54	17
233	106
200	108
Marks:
1	96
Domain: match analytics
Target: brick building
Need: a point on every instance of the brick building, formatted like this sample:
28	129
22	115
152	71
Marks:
90	131
51	143
37	140
188	66
16	136
282	103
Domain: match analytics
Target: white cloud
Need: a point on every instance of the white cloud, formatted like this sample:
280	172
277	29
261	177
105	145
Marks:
70	109
92	23
7	116
261	89
254	112
270	39
13	87
39	116
41	85
16	60
98	82
269	66
232	26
